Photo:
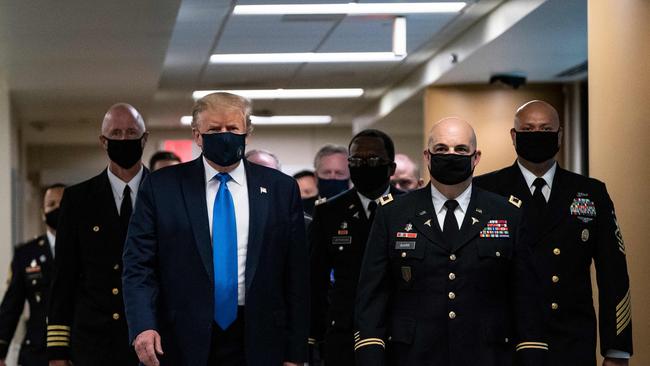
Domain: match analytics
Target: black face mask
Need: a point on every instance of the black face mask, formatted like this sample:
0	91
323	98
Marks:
125	153
329	188
52	218
370	181
450	169
224	148
308	204
537	147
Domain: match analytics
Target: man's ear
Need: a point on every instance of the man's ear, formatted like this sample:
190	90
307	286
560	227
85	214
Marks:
477	158
513	137
103	141
198	140
559	137
392	168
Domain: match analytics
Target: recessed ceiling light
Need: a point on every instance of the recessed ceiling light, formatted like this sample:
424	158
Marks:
350	8
300	57
287	93
291	120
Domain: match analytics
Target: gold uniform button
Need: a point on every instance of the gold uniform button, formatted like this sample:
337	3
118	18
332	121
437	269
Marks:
452	295
498	254
116	267
403	254
116	316
554	306
555	279
556	251
452	276
452	257
452	315
95	228
33	282
115	291
341	248
333	322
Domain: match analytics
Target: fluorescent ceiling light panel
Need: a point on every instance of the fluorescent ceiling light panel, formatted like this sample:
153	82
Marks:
300	57
186	120
399	36
350	8
291	120
287	93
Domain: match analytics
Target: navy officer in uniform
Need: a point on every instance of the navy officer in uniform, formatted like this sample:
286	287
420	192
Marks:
446	279
338	238
86	323
573	224
29	280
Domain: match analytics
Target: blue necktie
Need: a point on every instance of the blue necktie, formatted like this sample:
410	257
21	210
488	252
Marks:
224	255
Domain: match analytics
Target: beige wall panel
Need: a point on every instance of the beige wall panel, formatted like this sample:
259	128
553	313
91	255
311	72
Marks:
619	138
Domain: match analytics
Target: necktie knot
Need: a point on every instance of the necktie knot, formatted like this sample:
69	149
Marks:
127	191
223	177
372	206
451	205
539	183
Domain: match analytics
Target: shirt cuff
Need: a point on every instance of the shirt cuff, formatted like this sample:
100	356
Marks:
614	353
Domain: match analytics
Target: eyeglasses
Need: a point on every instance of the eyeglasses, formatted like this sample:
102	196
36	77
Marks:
370	162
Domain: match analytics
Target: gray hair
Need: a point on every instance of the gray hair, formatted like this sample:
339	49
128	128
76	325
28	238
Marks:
253	152
328	150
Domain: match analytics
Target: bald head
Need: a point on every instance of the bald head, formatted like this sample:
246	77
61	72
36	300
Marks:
123	121
537	115
452	132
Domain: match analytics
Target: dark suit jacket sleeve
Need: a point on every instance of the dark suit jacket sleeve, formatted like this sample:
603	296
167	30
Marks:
613	283
373	293
532	346
64	280
11	307
297	282
139	279
320	271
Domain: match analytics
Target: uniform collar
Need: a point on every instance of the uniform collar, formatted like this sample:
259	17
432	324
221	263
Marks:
530	177
365	200
118	184
439	199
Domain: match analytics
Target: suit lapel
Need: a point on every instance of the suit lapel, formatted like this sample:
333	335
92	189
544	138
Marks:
475	219
193	188
258	203
109	218
425	220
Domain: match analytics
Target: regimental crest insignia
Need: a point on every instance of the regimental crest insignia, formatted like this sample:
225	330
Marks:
344	225
408	227
406	273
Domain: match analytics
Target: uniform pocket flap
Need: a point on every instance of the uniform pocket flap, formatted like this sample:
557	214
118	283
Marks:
402	330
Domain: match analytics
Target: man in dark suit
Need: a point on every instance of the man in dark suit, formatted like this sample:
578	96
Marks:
338	238
446	279
31	269
86	324
573	222
216	256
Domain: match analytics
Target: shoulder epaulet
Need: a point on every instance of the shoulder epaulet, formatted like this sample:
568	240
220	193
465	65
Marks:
384	200
515	201
320	201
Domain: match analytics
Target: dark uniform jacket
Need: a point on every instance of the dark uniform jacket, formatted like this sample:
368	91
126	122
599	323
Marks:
423	302
337	238
86	312
169	269
579	226
29	280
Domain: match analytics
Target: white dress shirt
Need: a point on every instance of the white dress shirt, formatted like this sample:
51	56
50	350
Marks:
530	178
51	239
239	190
439	205
117	185
365	201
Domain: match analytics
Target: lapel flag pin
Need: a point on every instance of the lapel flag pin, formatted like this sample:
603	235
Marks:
479	210
422	213
428	223
263	190
474	220
351	206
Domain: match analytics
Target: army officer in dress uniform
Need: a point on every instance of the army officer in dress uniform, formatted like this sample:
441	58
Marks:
29	281
86	323
338	239
446	279
573	223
